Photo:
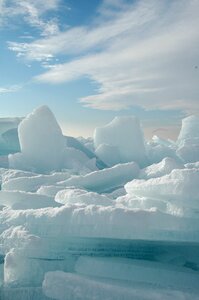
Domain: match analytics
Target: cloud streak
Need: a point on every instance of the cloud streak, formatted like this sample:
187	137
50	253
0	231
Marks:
10	89
32	12
141	55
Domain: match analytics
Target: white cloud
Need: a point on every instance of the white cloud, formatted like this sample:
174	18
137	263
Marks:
10	89
145	55
32	12
79	39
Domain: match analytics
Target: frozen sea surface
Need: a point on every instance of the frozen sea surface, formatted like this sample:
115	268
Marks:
113	217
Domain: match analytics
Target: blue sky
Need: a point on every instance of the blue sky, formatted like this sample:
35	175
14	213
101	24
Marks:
92	60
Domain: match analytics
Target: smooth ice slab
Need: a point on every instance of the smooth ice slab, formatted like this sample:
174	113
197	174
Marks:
142	271
188	151
68	286
41	141
102	221
31	183
78	196
109	154
162	168
157	151
25	200
106	179
189	129
180	187
126	135
188	140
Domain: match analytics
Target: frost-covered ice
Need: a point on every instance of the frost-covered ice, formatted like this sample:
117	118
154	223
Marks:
188	150
116	217
67	286
106	179
9	142
109	154
78	196
31	182
124	138
157	149
25	200
41	141
180	186
138	271
162	168
190	129
188	140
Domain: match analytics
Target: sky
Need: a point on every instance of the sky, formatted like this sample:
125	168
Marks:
90	61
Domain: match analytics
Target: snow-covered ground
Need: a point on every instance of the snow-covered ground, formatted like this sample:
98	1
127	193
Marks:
113	217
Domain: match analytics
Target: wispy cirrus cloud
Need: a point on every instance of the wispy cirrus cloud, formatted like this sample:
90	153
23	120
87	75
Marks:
32	12
143	53
77	40
10	89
